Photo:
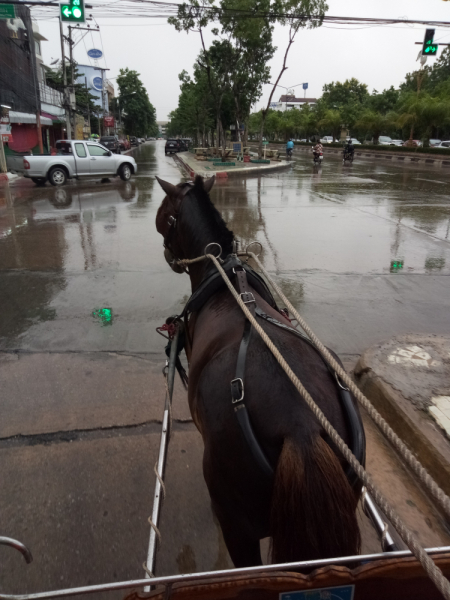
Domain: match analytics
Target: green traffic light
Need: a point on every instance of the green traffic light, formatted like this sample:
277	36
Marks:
428	47
73	11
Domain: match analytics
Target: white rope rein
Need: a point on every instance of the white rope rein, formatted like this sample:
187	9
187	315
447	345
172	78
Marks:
407	536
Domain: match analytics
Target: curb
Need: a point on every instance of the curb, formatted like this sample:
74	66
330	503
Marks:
418	434
255	172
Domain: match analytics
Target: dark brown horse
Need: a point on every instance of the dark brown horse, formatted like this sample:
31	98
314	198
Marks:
309	507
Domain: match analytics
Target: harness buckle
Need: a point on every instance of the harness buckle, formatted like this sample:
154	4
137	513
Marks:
171	221
247	297
237	390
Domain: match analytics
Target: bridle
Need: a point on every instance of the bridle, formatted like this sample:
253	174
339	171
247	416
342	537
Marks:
172	223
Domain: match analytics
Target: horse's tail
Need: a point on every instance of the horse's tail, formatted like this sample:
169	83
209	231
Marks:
313	513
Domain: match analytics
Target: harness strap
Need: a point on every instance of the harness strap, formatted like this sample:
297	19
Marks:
237	384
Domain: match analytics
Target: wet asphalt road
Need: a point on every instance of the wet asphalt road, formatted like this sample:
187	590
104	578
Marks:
362	251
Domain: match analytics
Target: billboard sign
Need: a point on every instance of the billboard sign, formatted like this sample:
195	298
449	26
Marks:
97	83
7	11
95	53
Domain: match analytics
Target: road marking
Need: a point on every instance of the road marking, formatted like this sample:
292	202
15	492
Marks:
412	356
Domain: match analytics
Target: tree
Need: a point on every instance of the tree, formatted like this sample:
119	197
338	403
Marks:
338	94
332	122
385	101
296	14
423	111
139	113
375	123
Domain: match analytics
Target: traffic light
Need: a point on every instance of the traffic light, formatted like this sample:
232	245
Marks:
428	48
73	11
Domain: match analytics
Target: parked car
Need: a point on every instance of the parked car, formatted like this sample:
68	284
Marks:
356	142
111	142
124	143
396	143
77	159
172	146
445	144
384	140
434	143
134	141
327	139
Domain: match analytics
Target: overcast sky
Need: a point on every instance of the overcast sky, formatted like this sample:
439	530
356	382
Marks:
377	56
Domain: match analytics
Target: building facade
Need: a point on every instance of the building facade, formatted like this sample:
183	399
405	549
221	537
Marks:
289	102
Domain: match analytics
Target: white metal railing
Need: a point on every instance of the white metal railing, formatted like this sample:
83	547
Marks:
50	96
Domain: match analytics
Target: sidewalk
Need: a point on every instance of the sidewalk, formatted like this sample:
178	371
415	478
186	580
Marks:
408	380
192	167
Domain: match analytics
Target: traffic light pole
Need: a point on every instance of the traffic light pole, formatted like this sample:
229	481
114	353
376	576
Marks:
71	78
67	108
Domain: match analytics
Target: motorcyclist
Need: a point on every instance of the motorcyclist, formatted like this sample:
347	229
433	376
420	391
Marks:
349	149
317	149
289	148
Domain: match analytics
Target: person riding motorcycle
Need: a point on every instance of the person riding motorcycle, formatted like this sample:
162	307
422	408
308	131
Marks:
289	148
317	150
349	149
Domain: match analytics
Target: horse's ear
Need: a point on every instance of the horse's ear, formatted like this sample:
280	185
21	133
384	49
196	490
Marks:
171	190
209	183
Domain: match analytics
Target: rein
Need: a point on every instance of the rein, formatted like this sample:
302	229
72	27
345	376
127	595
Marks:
410	539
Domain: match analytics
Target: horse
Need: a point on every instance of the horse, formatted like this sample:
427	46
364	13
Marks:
308	507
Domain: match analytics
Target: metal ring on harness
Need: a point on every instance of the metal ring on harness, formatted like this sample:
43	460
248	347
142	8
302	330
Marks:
213	244
251	244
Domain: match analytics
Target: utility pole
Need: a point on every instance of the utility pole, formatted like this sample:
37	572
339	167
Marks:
87	101
65	91
72	78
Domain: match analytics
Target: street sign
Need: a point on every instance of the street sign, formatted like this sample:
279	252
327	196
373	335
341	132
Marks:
73	11
108	121
237	147
94	53
305	86
428	48
7	11
265	143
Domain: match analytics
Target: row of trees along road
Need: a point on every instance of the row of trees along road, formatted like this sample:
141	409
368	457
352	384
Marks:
418	109
139	114
228	75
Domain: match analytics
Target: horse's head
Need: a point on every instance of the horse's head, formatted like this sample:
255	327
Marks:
169	214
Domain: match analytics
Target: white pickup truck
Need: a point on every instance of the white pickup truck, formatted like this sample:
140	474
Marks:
76	159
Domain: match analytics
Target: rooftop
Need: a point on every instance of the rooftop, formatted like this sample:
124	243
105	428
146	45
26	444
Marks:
285	98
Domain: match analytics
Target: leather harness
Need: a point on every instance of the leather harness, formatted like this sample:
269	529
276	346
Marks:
247	280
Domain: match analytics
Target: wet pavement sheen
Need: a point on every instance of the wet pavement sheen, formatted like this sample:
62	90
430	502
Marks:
364	247
362	251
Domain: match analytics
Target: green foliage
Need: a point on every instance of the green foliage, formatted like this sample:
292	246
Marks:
339	94
139	113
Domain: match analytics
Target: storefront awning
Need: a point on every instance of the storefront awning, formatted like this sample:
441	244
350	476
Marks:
20	117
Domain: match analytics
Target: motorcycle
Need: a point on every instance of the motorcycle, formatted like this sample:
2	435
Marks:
317	157
347	156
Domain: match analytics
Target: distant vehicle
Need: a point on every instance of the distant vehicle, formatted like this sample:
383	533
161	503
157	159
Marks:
111	142
172	146
445	144
124	143
327	139
77	159
302	140
134	141
187	142
434	143
141	140
184	144
384	140
396	143
355	142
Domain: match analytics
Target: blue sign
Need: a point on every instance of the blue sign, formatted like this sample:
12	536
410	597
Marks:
94	53
305	86
342	592
97	82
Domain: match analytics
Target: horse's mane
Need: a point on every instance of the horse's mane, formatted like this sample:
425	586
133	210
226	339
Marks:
209	218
